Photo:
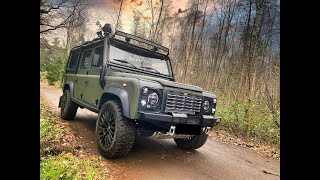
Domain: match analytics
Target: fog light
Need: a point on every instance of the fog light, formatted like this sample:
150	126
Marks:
143	102
214	100
144	90
213	110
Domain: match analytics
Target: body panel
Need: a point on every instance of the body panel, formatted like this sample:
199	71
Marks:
89	84
130	85
164	82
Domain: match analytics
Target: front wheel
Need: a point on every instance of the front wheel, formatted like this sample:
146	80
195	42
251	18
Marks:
194	142
115	133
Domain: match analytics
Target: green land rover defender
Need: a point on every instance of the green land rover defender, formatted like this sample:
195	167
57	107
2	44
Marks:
129	82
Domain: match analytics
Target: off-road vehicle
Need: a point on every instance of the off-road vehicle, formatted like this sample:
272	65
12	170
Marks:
129	82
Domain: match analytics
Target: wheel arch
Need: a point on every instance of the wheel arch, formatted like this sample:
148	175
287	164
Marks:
118	94
68	85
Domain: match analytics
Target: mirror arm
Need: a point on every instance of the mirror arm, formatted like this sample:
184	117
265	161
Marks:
102	75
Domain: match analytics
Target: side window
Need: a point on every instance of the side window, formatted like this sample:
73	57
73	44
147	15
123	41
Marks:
73	59
85	62
97	57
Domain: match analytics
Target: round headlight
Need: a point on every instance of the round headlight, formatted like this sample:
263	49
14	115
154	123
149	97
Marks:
153	99
206	105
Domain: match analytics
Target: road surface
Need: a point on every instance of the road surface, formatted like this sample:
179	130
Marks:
162	159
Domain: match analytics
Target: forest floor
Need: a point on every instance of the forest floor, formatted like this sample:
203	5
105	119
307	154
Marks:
222	157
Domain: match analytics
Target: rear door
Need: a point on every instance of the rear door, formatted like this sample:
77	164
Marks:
82	79
71	69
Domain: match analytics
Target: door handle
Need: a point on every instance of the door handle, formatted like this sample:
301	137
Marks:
76	80
86	81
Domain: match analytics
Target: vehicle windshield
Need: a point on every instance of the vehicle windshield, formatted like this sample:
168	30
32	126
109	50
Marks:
122	57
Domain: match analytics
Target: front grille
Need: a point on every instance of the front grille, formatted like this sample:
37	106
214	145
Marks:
183	103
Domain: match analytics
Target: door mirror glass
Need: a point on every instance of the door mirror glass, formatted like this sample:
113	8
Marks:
95	60
97	57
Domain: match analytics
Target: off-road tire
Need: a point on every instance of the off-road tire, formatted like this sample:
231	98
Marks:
194	142
68	108
115	133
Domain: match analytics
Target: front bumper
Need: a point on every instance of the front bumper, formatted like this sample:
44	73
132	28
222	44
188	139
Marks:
164	121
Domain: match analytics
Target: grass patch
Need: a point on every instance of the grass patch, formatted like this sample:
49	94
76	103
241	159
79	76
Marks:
50	129
60	161
68	166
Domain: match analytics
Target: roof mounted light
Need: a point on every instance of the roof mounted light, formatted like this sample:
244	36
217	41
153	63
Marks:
107	29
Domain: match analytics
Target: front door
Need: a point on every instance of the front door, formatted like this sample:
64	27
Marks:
93	89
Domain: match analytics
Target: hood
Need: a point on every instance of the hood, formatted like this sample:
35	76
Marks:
163	82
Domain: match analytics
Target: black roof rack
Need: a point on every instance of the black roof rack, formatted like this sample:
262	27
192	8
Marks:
86	42
123	34
126	35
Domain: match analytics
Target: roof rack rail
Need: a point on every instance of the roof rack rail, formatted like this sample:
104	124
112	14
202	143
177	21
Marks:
96	39
123	34
86	42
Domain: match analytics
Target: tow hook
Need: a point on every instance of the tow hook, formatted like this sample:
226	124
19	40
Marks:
170	134
172	130
218	120
206	130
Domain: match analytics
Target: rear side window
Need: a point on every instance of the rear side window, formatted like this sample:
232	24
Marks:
74	59
97	57
86	58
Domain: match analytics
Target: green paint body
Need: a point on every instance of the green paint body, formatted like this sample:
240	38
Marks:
88	92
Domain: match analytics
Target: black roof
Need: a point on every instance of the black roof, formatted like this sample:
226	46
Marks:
87	43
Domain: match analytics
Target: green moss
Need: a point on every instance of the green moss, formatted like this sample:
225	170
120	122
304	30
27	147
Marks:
65	165
50	131
68	166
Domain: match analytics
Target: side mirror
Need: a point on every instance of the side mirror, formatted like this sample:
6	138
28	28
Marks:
103	73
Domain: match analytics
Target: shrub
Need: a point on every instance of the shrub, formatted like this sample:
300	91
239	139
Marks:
263	128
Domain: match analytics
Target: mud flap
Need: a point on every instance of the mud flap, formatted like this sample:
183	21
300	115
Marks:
59	105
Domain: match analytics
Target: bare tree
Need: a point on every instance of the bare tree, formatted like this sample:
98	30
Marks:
151	20
60	14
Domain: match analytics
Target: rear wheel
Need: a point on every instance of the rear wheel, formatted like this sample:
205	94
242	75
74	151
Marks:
68	108
114	132
192	142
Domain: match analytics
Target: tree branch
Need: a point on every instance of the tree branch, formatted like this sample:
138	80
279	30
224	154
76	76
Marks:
64	23
155	31
46	11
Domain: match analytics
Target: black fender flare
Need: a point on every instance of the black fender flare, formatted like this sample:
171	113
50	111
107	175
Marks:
123	96
71	87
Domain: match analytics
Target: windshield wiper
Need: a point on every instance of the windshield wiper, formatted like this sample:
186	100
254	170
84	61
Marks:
123	61
146	67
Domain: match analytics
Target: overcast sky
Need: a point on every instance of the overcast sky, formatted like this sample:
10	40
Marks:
103	9
106	11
